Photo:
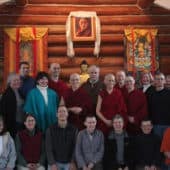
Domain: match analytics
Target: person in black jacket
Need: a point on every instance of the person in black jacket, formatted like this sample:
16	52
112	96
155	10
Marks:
118	147
147	148
60	142
11	105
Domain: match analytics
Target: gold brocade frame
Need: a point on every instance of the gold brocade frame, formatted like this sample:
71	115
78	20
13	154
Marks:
10	47
83	28
141	50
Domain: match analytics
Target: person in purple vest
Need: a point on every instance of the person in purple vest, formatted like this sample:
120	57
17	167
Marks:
30	146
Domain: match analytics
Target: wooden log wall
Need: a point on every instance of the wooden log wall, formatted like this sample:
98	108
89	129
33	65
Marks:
115	16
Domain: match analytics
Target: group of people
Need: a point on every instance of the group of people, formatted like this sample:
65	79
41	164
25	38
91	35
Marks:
89	124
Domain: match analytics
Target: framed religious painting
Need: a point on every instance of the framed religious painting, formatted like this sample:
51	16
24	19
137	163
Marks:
83	28
25	44
141	50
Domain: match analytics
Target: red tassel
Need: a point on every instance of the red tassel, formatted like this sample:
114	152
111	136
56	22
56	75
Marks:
17	50
34	52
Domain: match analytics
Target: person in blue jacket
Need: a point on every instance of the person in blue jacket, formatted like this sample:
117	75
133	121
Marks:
42	102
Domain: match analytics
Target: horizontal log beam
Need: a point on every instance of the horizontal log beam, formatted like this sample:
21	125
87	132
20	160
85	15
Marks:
111	29
63	10
112	50
164	39
75	62
80	2
164	50
105	20
105	38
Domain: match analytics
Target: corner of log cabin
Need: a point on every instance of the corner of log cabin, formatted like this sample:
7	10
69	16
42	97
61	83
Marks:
115	16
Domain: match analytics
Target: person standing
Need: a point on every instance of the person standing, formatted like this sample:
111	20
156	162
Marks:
136	106
55	83
93	86
110	102
160	106
11	105
27	82
42	102
77	101
120	82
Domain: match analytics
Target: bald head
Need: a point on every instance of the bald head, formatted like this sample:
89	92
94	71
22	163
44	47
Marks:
75	80
120	78
109	80
54	70
94	72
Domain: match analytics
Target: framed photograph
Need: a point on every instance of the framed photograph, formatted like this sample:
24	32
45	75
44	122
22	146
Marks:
83	28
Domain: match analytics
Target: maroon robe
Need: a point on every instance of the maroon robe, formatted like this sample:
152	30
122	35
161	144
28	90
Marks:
112	104
60	87
78	98
137	107
123	90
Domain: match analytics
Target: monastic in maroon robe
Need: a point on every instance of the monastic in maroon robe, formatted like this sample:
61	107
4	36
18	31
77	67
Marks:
78	98
123	90
112	104
60	87
137	107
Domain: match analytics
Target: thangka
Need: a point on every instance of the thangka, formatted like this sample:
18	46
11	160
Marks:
141	50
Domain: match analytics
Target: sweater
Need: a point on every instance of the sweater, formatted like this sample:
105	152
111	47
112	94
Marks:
89	149
8	156
117	156
27	149
160	107
147	150
60	143
31	146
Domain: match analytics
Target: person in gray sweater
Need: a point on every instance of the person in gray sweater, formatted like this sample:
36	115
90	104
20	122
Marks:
90	146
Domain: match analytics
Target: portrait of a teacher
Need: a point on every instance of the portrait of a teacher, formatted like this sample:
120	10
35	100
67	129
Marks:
83	27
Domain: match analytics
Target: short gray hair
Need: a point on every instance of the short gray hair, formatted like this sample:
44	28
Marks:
10	77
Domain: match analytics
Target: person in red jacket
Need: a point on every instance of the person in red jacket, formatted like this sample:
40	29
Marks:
55	83
77	101
110	102
136	106
30	146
